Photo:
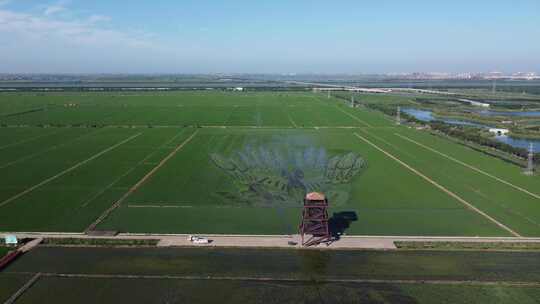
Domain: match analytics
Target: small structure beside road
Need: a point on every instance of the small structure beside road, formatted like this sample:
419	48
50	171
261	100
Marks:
498	131
11	240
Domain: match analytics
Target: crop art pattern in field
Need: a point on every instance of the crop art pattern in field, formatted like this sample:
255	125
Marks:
267	175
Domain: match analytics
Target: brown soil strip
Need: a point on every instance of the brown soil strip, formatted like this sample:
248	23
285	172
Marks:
450	193
470	166
139	183
11	199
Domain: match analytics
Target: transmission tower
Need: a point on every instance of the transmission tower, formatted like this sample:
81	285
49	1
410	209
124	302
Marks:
494	86
530	161
398	116
352	101
328	94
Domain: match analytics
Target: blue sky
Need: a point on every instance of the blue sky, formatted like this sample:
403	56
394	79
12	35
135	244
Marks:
278	36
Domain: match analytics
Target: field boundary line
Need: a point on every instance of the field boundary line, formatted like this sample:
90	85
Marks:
29	140
60	145
389	144
284	279
470	166
139	183
23	289
130	170
354	117
159	206
440	187
9	200
291	120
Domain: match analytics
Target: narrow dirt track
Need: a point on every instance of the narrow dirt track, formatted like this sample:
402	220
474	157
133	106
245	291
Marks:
470	166
23	289
270	279
48	180
27	157
354	117
442	188
29	140
139	183
109	186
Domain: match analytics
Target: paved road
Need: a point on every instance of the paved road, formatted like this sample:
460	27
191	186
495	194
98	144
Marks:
281	241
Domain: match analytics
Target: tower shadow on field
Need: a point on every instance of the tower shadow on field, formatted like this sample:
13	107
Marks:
340	222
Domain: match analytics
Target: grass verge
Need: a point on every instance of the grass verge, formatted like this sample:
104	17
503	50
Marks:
467	245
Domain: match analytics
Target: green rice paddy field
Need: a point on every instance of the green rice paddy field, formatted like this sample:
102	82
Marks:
3	251
218	162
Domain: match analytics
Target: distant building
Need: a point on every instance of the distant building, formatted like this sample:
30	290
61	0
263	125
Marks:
11	240
498	131
475	103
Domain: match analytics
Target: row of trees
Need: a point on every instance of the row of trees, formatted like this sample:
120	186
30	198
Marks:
461	132
474	135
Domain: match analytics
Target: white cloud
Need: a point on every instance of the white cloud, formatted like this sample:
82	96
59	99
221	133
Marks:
98	18
34	43
53	9
28	27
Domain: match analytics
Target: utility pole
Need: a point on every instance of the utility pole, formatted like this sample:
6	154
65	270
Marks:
530	161
328	94
494	86
352	100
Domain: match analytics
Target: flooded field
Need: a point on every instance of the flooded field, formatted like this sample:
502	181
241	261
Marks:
193	275
276	264
510	113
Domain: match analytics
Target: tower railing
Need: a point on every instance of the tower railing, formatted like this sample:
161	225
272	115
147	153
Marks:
314	227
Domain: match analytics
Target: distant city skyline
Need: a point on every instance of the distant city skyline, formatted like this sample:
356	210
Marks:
279	37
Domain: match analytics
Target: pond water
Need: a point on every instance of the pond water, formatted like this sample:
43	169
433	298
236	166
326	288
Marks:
426	115
510	113
518	142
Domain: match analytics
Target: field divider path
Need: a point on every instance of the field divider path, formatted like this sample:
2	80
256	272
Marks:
29	140
23	289
130	170
354	117
469	166
291	120
48	180
284	279
139	183
55	147
440	187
